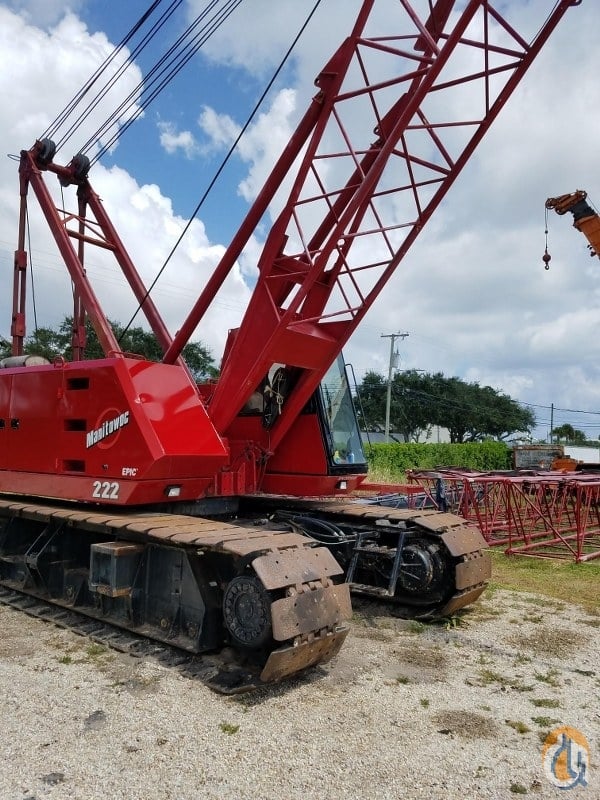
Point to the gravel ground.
(404, 711)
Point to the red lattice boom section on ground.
(548, 515)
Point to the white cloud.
(43, 13)
(220, 129)
(40, 74)
(173, 140)
(265, 140)
(258, 34)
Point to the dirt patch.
(466, 724)
(548, 640)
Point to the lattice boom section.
(546, 514)
(406, 117)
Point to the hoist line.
(69, 108)
(175, 65)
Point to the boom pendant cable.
(168, 65)
(92, 105)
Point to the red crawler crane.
(231, 557)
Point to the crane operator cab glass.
(342, 432)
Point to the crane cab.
(322, 452)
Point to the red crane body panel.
(106, 430)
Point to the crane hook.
(546, 259)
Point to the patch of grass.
(466, 724)
(559, 580)
(140, 683)
(489, 676)
(452, 622)
(416, 627)
(228, 728)
(424, 702)
(537, 601)
(518, 788)
(482, 611)
(94, 650)
(548, 640)
(371, 632)
(519, 727)
(491, 590)
(79, 655)
(521, 687)
(550, 677)
(522, 659)
(422, 656)
(402, 679)
(545, 702)
(545, 722)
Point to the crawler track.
(195, 584)
(214, 669)
(429, 564)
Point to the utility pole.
(392, 337)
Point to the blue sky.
(472, 293)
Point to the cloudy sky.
(472, 293)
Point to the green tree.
(567, 433)
(412, 410)
(44, 342)
(371, 396)
(420, 400)
(50, 343)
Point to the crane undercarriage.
(425, 563)
(267, 586)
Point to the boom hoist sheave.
(181, 509)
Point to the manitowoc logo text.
(108, 426)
